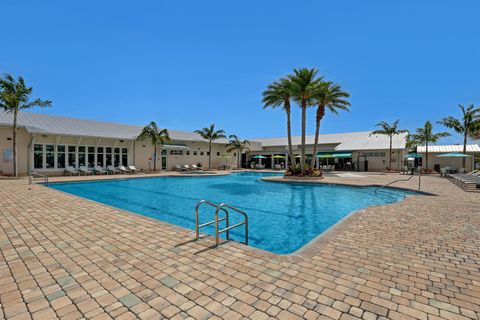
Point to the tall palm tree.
(468, 125)
(303, 88)
(157, 136)
(329, 96)
(278, 94)
(14, 97)
(389, 130)
(424, 136)
(210, 134)
(236, 144)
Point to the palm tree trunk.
(209, 154)
(426, 156)
(304, 123)
(464, 160)
(15, 173)
(155, 157)
(289, 134)
(320, 113)
(390, 156)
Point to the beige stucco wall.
(6, 168)
(144, 150)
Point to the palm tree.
(210, 134)
(236, 144)
(14, 97)
(303, 88)
(389, 130)
(468, 125)
(276, 95)
(156, 136)
(328, 96)
(424, 136)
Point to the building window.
(81, 156)
(187, 152)
(208, 153)
(201, 153)
(50, 156)
(91, 156)
(194, 153)
(164, 152)
(72, 156)
(218, 154)
(234, 154)
(60, 157)
(108, 156)
(116, 157)
(100, 156)
(124, 156)
(38, 156)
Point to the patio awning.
(175, 147)
(334, 154)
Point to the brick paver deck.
(70, 258)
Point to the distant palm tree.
(468, 125)
(236, 144)
(157, 136)
(210, 134)
(276, 95)
(14, 97)
(389, 130)
(329, 96)
(424, 136)
(303, 88)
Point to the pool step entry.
(225, 209)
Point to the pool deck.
(66, 257)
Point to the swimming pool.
(282, 217)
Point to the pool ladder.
(222, 207)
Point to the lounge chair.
(112, 170)
(71, 171)
(177, 168)
(123, 169)
(185, 167)
(195, 167)
(99, 170)
(85, 170)
(133, 169)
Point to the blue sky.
(186, 64)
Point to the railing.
(33, 174)
(402, 180)
(222, 207)
(244, 222)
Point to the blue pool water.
(283, 217)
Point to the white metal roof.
(64, 126)
(449, 148)
(346, 141)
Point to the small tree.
(278, 94)
(156, 136)
(389, 130)
(210, 134)
(304, 82)
(468, 125)
(237, 144)
(425, 136)
(14, 97)
(328, 96)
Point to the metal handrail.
(45, 178)
(400, 180)
(244, 222)
(198, 226)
